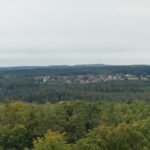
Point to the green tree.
(51, 141)
(13, 138)
(122, 137)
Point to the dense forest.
(93, 107)
(30, 84)
(75, 125)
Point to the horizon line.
(73, 65)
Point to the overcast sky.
(48, 32)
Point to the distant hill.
(54, 83)
(90, 65)
(76, 69)
(51, 66)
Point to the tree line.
(30, 90)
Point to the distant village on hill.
(91, 78)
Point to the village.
(90, 78)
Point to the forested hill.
(81, 82)
(76, 70)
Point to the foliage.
(22, 83)
(75, 125)
(50, 141)
(122, 137)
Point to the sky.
(68, 32)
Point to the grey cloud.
(73, 32)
